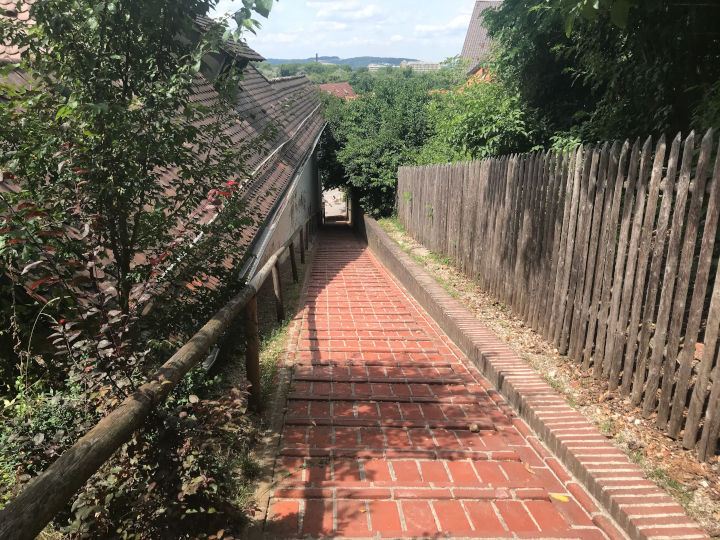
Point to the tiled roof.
(477, 43)
(234, 47)
(341, 90)
(11, 53)
(286, 107)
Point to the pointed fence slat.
(609, 170)
(609, 252)
(687, 354)
(668, 289)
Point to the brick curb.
(640, 508)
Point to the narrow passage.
(391, 432)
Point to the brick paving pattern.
(390, 432)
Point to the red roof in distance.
(341, 90)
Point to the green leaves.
(263, 7)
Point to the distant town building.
(341, 90)
(477, 43)
(421, 66)
(378, 67)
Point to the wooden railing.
(47, 494)
(608, 251)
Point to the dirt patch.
(694, 484)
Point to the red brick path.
(378, 441)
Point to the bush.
(477, 119)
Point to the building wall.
(302, 201)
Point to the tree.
(375, 134)
(111, 158)
(122, 167)
(474, 120)
(654, 73)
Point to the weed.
(607, 427)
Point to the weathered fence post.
(277, 286)
(252, 353)
(302, 246)
(293, 263)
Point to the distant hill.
(359, 61)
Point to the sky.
(422, 29)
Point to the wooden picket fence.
(608, 251)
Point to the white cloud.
(279, 38)
(396, 38)
(351, 10)
(457, 25)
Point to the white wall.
(301, 202)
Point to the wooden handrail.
(28, 513)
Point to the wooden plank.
(454, 211)
(577, 260)
(608, 187)
(493, 211)
(592, 267)
(641, 276)
(505, 228)
(467, 208)
(252, 353)
(586, 263)
(695, 312)
(558, 203)
(562, 213)
(708, 364)
(426, 187)
(610, 256)
(620, 258)
(683, 279)
(293, 263)
(621, 324)
(398, 190)
(515, 245)
(711, 429)
(668, 283)
(277, 289)
(480, 218)
(302, 246)
(658, 254)
(520, 286)
(543, 234)
(539, 244)
(507, 173)
(568, 246)
(486, 236)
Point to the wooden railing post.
(302, 245)
(293, 262)
(277, 286)
(252, 354)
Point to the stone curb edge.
(640, 508)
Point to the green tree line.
(561, 72)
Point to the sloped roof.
(11, 53)
(341, 90)
(477, 43)
(288, 106)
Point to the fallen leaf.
(561, 498)
(529, 468)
